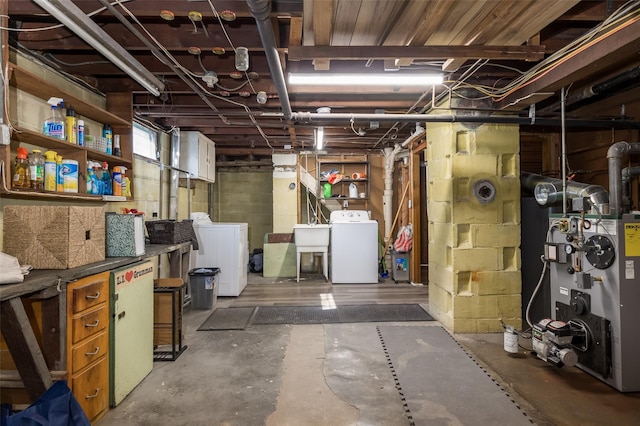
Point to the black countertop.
(43, 279)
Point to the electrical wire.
(192, 75)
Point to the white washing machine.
(225, 246)
(354, 247)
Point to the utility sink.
(312, 239)
(309, 236)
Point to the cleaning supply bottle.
(89, 178)
(98, 186)
(107, 135)
(81, 132)
(71, 126)
(116, 146)
(126, 183)
(54, 125)
(353, 190)
(21, 175)
(106, 179)
(117, 180)
(36, 169)
(59, 176)
(50, 171)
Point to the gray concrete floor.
(337, 374)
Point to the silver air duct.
(548, 191)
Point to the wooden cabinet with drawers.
(88, 343)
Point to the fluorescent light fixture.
(77, 21)
(319, 138)
(394, 79)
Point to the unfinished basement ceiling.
(496, 56)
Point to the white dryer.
(225, 246)
(354, 247)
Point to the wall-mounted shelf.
(347, 166)
(118, 113)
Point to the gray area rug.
(441, 383)
(228, 319)
(339, 314)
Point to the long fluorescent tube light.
(365, 79)
(319, 138)
(77, 21)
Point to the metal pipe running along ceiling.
(308, 117)
(260, 10)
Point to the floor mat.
(339, 314)
(441, 384)
(228, 319)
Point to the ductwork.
(627, 174)
(615, 154)
(261, 11)
(548, 191)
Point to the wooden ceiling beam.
(322, 28)
(530, 53)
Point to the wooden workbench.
(35, 366)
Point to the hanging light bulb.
(242, 58)
(261, 97)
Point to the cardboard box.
(54, 237)
(162, 310)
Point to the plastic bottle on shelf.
(50, 171)
(71, 126)
(98, 186)
(21, 174)
(117, 180)
(36, 169)
(59, 177)
(54, 125)
(126, 183)
(107, 135)
(89, 177)
(106, 179)
(116, 146)
(81, 132)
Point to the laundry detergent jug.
(353, 190)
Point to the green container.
(327, 190)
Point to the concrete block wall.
(474, 239)
(245, 197)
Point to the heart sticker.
(128, 275)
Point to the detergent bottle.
(117, 180)
(54, 125)
(50, 171)
(353, 190)
(59, 176)
(107, 183)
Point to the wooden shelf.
(37, 86)
(346, 165)
(118, 113)
(38, 139)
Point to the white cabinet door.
(198, 155)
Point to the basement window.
(145, 142)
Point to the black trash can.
(204, 287)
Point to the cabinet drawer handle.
(94, 352)
(95, 324)
(92, 396)
(93, 297)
